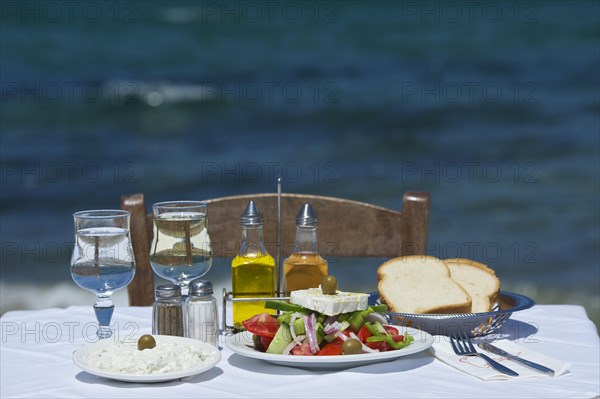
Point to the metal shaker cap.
(251, 216)
(168, 291)
(306, 217)
(200, 287)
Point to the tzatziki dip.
(166, 357)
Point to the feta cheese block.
(330, 305)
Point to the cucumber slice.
(358, 319)
(282, 338)
(299, 327)
(285, 317)
(344, 325)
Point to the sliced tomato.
(398, 338)
(302, 350)
(391, 330)
(363, 333)
(338, 340)
(381, 346)
(266, 341)
(331, 349)
(377, 346)
(262, 324)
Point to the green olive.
(146, 342)
(351, 347)
(329, 285)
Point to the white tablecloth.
(37, 347)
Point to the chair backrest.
(346, 229)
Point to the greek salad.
(304, 332)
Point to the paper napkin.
(478, 367)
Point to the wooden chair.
(346, 229)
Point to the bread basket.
(473, 324)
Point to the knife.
(493, 349)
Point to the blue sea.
(492, 107)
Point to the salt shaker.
(168, 315)
(202, 320)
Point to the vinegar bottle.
(253, 270)
(304, 268)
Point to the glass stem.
(104, 309)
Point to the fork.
(462, 346)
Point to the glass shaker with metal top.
(168, 313)
(202, 319)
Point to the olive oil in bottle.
(304, 268)
(253, 270)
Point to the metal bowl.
(473, 324)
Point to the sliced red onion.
(292, 329)
(332, 328)
(330, 320)
(309, 323)
(365, 348)
(292, 345)
(342, 336)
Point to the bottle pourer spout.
(306, 217)
(251, 216)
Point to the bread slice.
(478, 280)
(420, 284)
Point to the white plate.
(241, 344)
(80, 359)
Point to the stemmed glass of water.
(102, 260)
(180, 250)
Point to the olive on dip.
(146, 342)
(329, 285)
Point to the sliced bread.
(478, 280)
(420, 284)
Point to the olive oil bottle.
(253, 270)
(304, 268)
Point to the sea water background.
(492, 107)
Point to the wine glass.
(180, 250)
(102, 260)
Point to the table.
(36, 350)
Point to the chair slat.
(141, 289)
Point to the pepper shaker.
(202, 317)
(168, 312)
